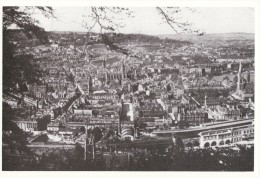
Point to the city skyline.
(128, 102)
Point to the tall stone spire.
(104, 61)
(123, 69)
(238, 76)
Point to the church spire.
(205, 102)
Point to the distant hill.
(145, 39)
(120, 38)
(209, 37)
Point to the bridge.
(207, 127)
(51, 146)
(151, 144)
(37, 136)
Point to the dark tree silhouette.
(97, 134)
(19, 69)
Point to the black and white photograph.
(128, 88)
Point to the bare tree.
(22, 18)
(168, 15)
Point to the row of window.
(243, 132)
(237, 139)
(210, 137)
(29, 125)
(224, 136)
(228, 135)
(104, 97)
(53, 128)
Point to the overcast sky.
(147, 20)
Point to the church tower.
(248, 77)
(90, 85)
(135, 75)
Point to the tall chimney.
(119, 123)
(86, 143)
(94, 147)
